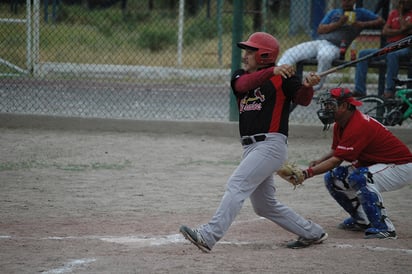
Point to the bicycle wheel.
(373, 106)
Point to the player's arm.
(326, 165)
(370, 24)
(406, 27)
(322, 159)
(301, 92)
(326, 28)
(304, 94)
(329, 24)
(248, 81)
(389, 31)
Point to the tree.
(257, 16)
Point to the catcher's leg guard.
(338, 187)
(369, 198)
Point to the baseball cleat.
(302, 242)
(194, 236)
(381, 235)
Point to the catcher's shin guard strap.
(369, 198)
(373, 208)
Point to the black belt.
(252, 139)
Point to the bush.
(202, 29)
(156, 39)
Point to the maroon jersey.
(364, 142)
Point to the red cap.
(344, 95)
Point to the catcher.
(264, 93)
(379, 162)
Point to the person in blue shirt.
(334, 28)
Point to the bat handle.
(326, 72)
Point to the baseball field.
(80, 201)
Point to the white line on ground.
(375, 248)
(69, 266)
(139, 241)
(145, 240)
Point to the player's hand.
(343, 20)
(358, 25)
(311, 80)
(285, 70)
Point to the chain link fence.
(142, 59)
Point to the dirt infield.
(112, 202)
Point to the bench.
(380, 65)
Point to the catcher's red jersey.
(364, 142)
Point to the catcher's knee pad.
(335, 182)
(340, 173)
(368, 197)
(359, 177)
(336, 178)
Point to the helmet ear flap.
(265, 57)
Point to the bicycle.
(393, 111)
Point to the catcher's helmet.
(330, 100)
(266, 46)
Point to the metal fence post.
(237, 31)
(220, 30)
(180, 33)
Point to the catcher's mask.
(330, 101)
(265, 45)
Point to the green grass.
(110, 37)
(135, 38)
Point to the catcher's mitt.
(292, 173)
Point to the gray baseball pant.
(254, 178)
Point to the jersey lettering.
(345, 148)
(252, 103)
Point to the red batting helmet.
(266, 46)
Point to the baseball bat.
(403, 43)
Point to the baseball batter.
(379, 162)
(264, 93)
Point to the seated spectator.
(398, 26)
(334, 28)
